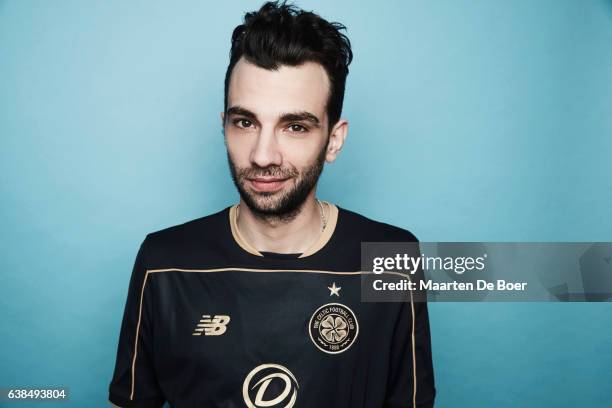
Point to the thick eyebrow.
(285, 117)
(301, 116)
(239, 110)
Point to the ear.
(336, 140)
(223, 123)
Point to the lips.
(267, 184)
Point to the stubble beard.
(282, 205)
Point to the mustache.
(272, 171)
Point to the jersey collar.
(320, 243)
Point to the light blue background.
(469, 121)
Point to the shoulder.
(197, 232)
(367, 229)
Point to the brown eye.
(243, 123)
(297, 128)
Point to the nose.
(266, 151)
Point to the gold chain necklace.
(323, 218)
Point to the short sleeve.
(134, 382)
(411, 375)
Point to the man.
(259, 304)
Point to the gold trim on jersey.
(332, 219)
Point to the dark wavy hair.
(281, 34)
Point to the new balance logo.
(212, 327)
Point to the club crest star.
(334, 290)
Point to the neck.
(294, 235)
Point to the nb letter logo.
(215, 326)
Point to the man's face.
(276, 134)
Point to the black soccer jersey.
(210, 322)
